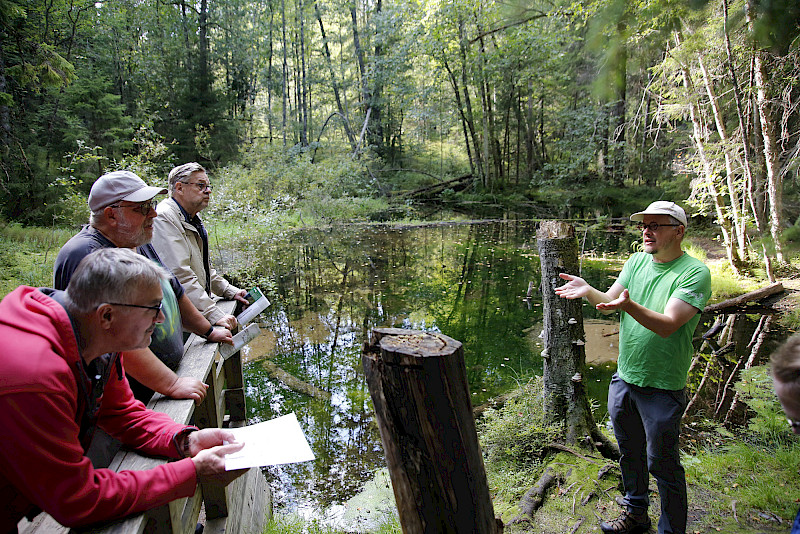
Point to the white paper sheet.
(279, 441)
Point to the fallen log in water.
(294, 383)
(741, 300)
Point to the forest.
(307, 112)
(579, 108)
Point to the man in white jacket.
(181, 241)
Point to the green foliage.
(27, 255)
(790, 238)
(297, 525)
(273, 188)
(152, 159)
(756, 477)
(769, 423)
(516, 434)
(725, 283)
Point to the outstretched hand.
(207, 438)
(240, 296)
(227, 321)
(615, 304)
(575, 288)
(207, 449)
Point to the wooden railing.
(240, 508)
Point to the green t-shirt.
(645, 358)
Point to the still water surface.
(330, 287)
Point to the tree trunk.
(462, 115)
(774, 179)
(565, 398)
(738, 227)
(748, 160)
(418, 384)
(708, 173)
(334, 83)
(303, 104)
(285, 80)
(617, 155)
(479, 161)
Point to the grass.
(756, 481)
(737, 483)
(27, 255)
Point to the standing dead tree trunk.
(565, 398)
(418, 384)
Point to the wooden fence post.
(418, 384)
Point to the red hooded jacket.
(42, 463)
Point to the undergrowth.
(27, 255)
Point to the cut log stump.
(418, 384)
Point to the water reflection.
(468, 281)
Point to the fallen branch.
(576, 526)
(534, 497)
(461, 181)
(752, 296)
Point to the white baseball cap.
(662, 207)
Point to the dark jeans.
(647, 424)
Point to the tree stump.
(418, 384)
(564, 338)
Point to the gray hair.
(110, 275)
(181, 173)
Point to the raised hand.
(575, 288)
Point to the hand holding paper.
(279, 441)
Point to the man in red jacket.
(62, 377)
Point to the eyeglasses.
(653, 226)
(156, 309)
(202, 186)
(141, 207)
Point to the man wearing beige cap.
(659, 295)
(122, 211)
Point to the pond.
(330, 287)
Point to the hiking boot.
(627, 523)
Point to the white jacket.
(180, 247)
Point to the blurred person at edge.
(181, 241)
(62, 377)
(785, 370)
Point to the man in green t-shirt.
(659, 295)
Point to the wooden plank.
(251, 498)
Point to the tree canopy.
(565, 103)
